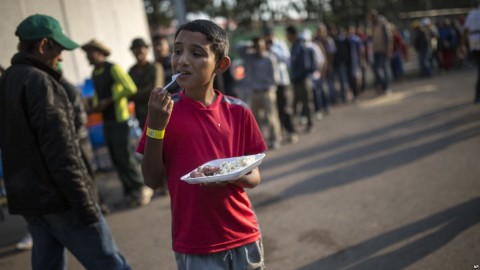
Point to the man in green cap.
(45, 177)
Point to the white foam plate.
(224, 177)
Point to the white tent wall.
(114, 22)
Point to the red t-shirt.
(208, 219)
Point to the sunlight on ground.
(396, 97)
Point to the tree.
(249, 12)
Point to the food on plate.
(231, 166)
(202, 171)
(210, 170)
(224, 168)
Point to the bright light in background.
(280, 9)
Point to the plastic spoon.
(171, 85)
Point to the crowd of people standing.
(288, 86)
(311, 73)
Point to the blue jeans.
(332, 91)
(342, 74)
(424, 62)
(92, 245)
(321, 100)
(380, 69)
(396, 65)
(249, 256)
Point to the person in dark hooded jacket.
(45, 177)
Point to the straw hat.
(95, 44)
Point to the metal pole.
(180, 12)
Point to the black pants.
(284, 107)
(303, 95)
(117, 136)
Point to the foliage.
(247, 13)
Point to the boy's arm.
(152, 163)
(249, 180)
(160, 106)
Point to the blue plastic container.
(87, 88)
(96, 135)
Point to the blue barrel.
(87, 88)
(96, 135)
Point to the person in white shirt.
(284, 90)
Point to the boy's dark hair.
(213, 32)
(291, 30)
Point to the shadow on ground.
(447, 133)
(436, 231)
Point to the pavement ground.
(386, 182)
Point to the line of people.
(286, 86)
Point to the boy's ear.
(223, 65)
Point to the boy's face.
(194, 59)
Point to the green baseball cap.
(40, 26)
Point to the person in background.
(146, 76)
(302, 66)
(354, 61)
(319, 97)
(360, 31)
(213, 224)
(326, 42)
(421, 43)
(46, 179)
(400, 53)
(447, 44)
(382, 50)
(342, 60)
(284, 90)
(472, 31)
(433, 34)
(261, 74)
(163, 53)
(113, 87)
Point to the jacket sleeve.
(123, 85)
(52, 124)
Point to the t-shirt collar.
(214, 104)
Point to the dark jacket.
(44, 171)
(302, 61)
(80, 115)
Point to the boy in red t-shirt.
(212, 224)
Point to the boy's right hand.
(160, 106)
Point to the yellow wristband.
(155, 134)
